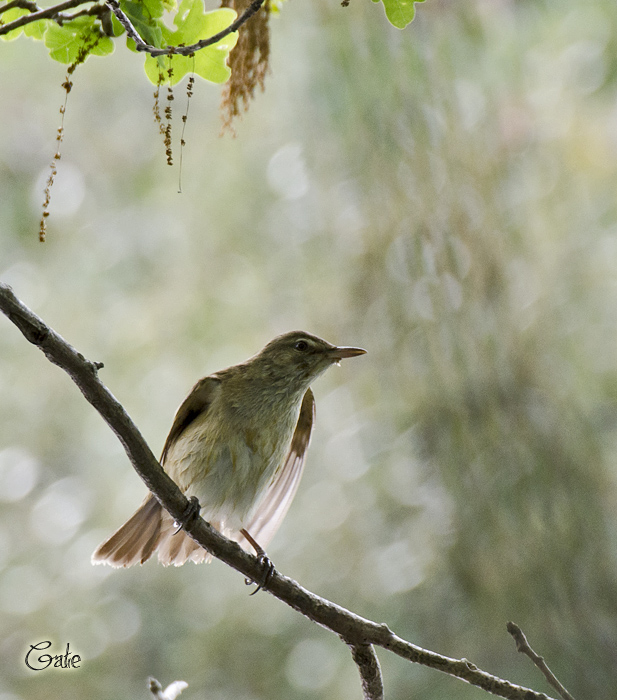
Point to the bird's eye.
(301, 346)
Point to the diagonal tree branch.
(47, 13)
(357, 632)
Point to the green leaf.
(400, 12)
(153, 8)
(66, 42)
(36, 30)
(148, 26)
(10, 16)
(193, 23)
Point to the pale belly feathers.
(228, 477)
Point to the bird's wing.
(195, 404)
(282, 490)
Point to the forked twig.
(524, 647)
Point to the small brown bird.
(238, 444)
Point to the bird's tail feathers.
(149, 529)
(177, 547)
(136, 540)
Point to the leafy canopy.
(192, 24)
(74, 39)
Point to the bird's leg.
(266, 563)
(190, 513)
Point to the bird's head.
(299, 357)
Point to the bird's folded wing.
(195, 404)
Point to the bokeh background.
(444, 196)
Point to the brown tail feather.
(177, 547)
(136, 540)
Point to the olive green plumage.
(238, 444)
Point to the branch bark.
(24, 4)
(141, 45)
(524, 647)
(54, 13)
(370, 672)
(47, 13)
(359, 633)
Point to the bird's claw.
(191, 511)
(267, 573)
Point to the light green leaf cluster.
(400, 12)
(192, 24)
(35, 30)
(67, 43)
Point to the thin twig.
(95, 10)
(156, 689)
(170, 693)
(370, 672)
(23, 4)
(356, 631)
(524, 647)
(47, 13)
(141, 45)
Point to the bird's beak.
(341, 353)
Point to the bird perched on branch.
(238, 444)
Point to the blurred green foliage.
(443, 196)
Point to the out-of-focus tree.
(488, 223)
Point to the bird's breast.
(228, 464)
